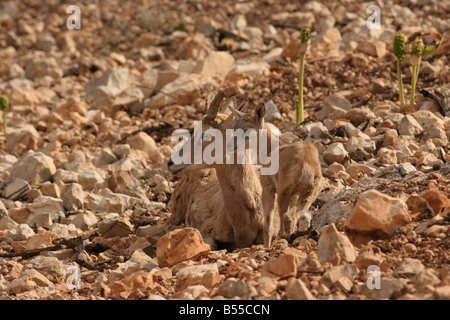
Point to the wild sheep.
(297, 183)
(224, 200)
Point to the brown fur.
(224, 201)
(297, 183)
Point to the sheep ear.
(260, 112)
(213, 107)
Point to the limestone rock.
(335, 153)
(233, 287)
(34, 167)
(247, 68)
(36, 276)
(377, 214)
(216, 64)
(180, 245)
(335, 107)
(341, 276)
(18, 188)
(184, 90)
(372, 48)
(439, 201)
(41, 240)
(409, 267)
(334, 246)
(281, 267)
(131, 285)
(88, 180)
(142, 141)
(390, 288)
(72, 196)
(25, 134)
(115, 227)
(272, 112)
(409, 126)
(50, 267)
(297, 290)
(103, 89)
(406, 168)
(206, 275)
(139, 260)
(83, 220)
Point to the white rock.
(427, 119)
(409, 267)
(139, 260)
(117, 202)
(335, 153)
(83, 220)
(16, 189)
(6, 223)
(107, 86)
(327, 41)
(341, 276)
(437, 135)
(43, 220)
(142, 141)
(274, 56)
(334, 246)
(406, 168)
(205, 274)
(22, 133)
(24, 231)
(238, 22)
(90, 179)
(297, 290)
(233, 287)
(334, 107)
(65, 176)
(216, 64)
(272, 112)
(183, 90)
(65, 230)
(104, 157)
(50, 267)
(247, 68)
(34, 167)
(409, 126)
(47, 205)
(72, 196)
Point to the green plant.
(418, 52)
(399, 51)
(4, 105)
(182, 26)
(416, 59)
(304, 46)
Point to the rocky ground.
(84, 180)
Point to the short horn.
(243, 106)
(228, 104)
(214, 106)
